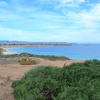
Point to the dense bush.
(78, 81)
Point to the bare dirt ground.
(10, 70)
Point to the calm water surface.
(76, 52)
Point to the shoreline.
(7, 52)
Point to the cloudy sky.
(50, 20)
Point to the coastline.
(6, 52)
(31, 45)
(72, 52)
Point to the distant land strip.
(30, 45)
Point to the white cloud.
(85, 18)
(81, 0)
(61, 3)
(66, 1)
(3, 3)
(9, 17)
(21, 35)
(17, 1)
(33, 24)
(11, 33)
(72, 1)
(92, 18)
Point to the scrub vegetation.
(78, 81)
(49, 57)
(28, 61)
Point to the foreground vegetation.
(78, 81)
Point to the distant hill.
(26, 42)
(14, 42)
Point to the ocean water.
(75, 52)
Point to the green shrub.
(78, 81)
(27, 61)
(10, 56)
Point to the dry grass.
(28, 61)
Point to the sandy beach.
(6, 52)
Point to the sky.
(75, 21)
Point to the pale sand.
(8, 53)
(13, 71)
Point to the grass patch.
(78, 81)
(27, 61)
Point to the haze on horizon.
(75, 21)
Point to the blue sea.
(75, 52)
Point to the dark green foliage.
(78, 81)
(1, 51)
(10, 56)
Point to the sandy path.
(13, 71)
